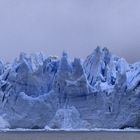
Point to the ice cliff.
(38, 92)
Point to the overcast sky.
(76, 26)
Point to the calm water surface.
(62, 135)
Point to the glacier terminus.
(102, 91)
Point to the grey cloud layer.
(76, 26)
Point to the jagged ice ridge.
(39, 92)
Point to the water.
(62, 135)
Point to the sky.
(75, 26)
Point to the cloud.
(76, 26)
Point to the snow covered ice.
(39, 92)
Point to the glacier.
(39, 91)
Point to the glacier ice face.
(37, 91)
(31, 76)
(3, 123)
(68, 118)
